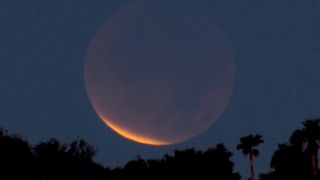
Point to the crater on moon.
(159, 72)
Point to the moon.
(159, 72)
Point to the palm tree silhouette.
(311, 134)
(248, 145)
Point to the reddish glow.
(159, 79)
(133, 136)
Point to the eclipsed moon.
(159, 72)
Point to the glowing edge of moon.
(133, 136)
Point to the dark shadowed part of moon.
(159, 72)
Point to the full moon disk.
(159, 72)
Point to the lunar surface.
(159, 72)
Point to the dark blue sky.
(42, 94)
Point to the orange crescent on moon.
(159, 79)
(133, 136)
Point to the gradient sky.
(42, 94)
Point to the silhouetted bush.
(213, 163)
(295, 160)
(15, 156)
(53, 160)
(47, 160)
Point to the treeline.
(47, 160)
(296, 159)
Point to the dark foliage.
(296, 160)
(15, 156)
(289, 162)
(213, 163)
(47, 160)
(249, 146)
(53, 160)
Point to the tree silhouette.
(55, 160)
(80, 149)
(15, 156)
(47, 160)
(289, 162)
(248, 145)
(213, 163)
(298, 159)
(311, 133)
(61, 161)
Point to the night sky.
(43, 44)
